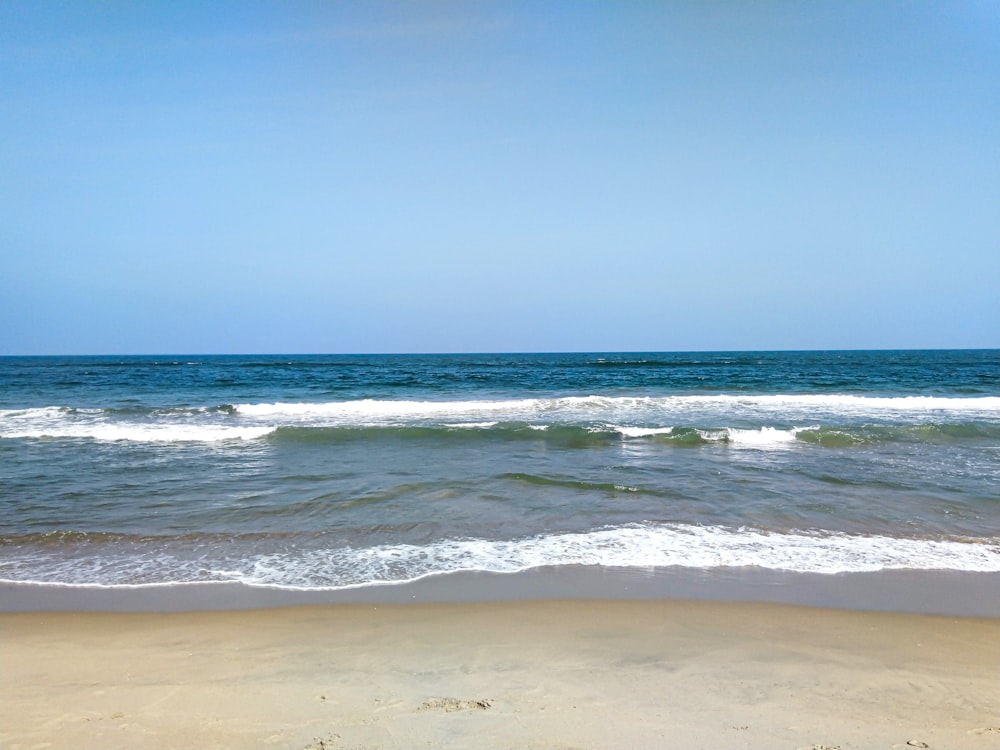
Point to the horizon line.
(503, 353)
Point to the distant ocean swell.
(302, 562)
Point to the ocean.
(325, 473)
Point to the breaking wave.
(152, 561)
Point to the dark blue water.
(178, 381)
(332, 471)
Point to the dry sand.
(535, 674)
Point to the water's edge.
(952, 593)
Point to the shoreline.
(953, 593)
(505, 674)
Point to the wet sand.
(931, 592)
(512, 674)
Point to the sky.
(327, 177)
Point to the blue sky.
(498, 176)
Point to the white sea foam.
(643, 545)
(379, 409)
(765, 437)
(631, 546)
(148, 433)
(640, 432)
(596, 407)
(195, 425)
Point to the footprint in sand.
(985, 730)
(454, 704)
(323, 743)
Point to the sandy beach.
(529, 674)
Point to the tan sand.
(542, 674)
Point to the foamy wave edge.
(164, 433)
(375, 408)
(645, 546)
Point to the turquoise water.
(325, 472)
